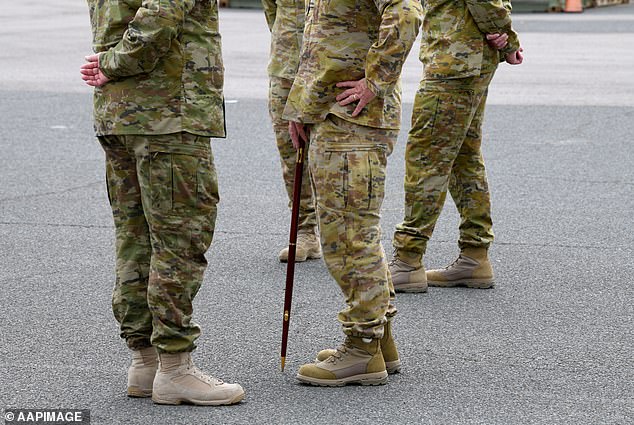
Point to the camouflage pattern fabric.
(453, 41)
(278, 93)
(444, 151)
(163, 191)
(286, 22)
(164, 60)
(349, 40)
(347, 163)
(285, 19)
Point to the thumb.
(92, 58)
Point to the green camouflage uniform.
(285, 19)
(154, 120)
(443, 149)
(350, 40)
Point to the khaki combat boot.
(308, 246)
(141, 372)
(408, 273)
(179, 381)
(471, 269)
(357, 361)
(388, 350)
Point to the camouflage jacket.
(453, 42)
(285, 19)
(164, 59)
(349, 40)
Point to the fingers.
(89, 71)
(293, 132)
(360, 106)
(89, 68)
(297, 132)
(497, 41)
(92, 58)
(353, 97)
(520, 57)
(345, 94)
(363, 101)
(501, 41)
(301, 132)
(348, 84)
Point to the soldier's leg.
(470, 191)
(133, 251)
(179, 188)
(307, 244)
(348, 166)
(468, 184)
(348, 169)
(441, 116)
(180, 193)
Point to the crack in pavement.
(564, 179)
(242, 234)
(58, 192)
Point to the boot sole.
(417, 287)
(136, 392)
(465, 283)
(178, 401)
(393, 367)
(377, 378)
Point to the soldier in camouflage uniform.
(353, 126)
(158, 78)
(285, 19)
(463, 42)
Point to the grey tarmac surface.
(551, 344)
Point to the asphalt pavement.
(551, 344)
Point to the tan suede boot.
(471, 269)
(357, 361)
(179, 381)
(308, 246)
(388, 350)
(141, 372)
(408, 272)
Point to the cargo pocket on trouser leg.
(183, 186)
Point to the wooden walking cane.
(292, 245)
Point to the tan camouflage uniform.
(443, 149)
(154, 120)
(350, 40)
(285, 19)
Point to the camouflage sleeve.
(270, 11)
(400, 23)
(494, 16)
(147, 38)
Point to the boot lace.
(339, 353)
(454, 263)
(193, 370)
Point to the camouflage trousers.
(347, 164)
(443, 152)
(278, 93)
(163, 191)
